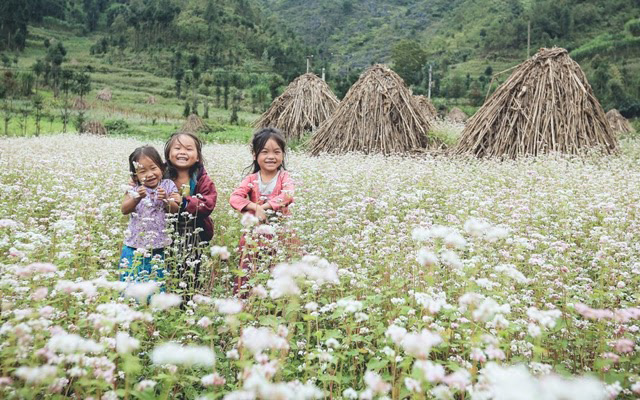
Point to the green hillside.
(467, 41)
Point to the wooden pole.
(429, 90)
(323, 73)
(309, 63)
(528, 39)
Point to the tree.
(259, 96)
(37, 104)
(81, 84)
(179, 75)
(38, 70)
(408, 59)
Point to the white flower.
(256, 340)
(259, 291)
(455, 240)
(265, 229)
(125, 344)
(233, 354)
(426, 258)
(71, 343)
(512, 272)
(172, 353)
(496, 233)
(249, 220)
(141, 291)
(332, 343)
(283, 286)
(145, 385)
(228, 306)
(451, 259)
(419, 344)
(412, 385)
(396, 333)
(36, 374)
(350, 306)
(432, 372)
(476, 227)
(350, 393)
(165, 301)
(220, 251)
(374, 382)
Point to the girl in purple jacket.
(197, 198)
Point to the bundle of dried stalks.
(378, 115)
(617, 122)
(94, 127)
(546, 105)
(195, 124)
(457, 115)
(80, 104)
(151, 100)
(427, 105)
(104, 94)
(304, 105)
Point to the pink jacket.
(248, 192)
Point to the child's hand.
(142, 192)
(260, 214)
(161, 194)
(175, 196)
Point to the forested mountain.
(260, 45)
(464, 40)
(221, 33)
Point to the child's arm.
(203, 202)
(169, 194)
(285, 197)
(240, 196)
(129, 203)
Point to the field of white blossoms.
(425, 277)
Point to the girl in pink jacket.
(266, 193)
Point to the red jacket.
(201, 203)
(248, 192)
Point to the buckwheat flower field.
(426, 277)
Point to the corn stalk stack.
(617, 122)
(304, 105)
(546, 105)
(377, 115)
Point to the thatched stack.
(427, 105)
(377, 115)
(617, 122)
(80, 104)
(94, 127)
(195, 124)
(151, 100)
(546, 105)
(104, 94)
(457, 115)
(304, 105)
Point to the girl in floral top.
(147, 203)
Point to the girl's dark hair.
(144, 151)
(172, 172)
(260, 139)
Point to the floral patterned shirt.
(148, 222)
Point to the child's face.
(148, 173)
(183, 153)
(270, 157)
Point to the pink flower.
(624, 346)
(39, 294)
